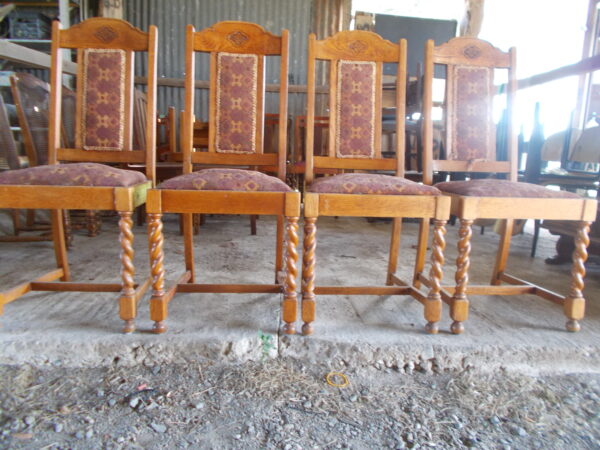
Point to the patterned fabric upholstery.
(501, 188)
(236, 103)
(369, 183)
(355, 136)
(79, 174)
(103, 122)
(226, 180)
(473, 133)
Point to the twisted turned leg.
(459, 305)
(290, 304)
(574, 305)
(127, 303)
(92, 222)
(308, 274)
(68, 228)
(158, 305)
(433, 304)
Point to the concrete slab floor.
(521, 333)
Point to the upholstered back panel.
(236, 103)
(473, 132)
(355, 133)
(103, 99)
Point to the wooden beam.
(30, 57)
(583, 66)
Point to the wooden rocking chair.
(105, 54)
(356, 61)
(237, 84)
(471, 149)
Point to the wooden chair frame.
(367, 46)
(245, 38)
(474, 52)
(104, 34)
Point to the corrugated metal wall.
(171, 18)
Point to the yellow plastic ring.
(329, 379)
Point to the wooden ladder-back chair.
(105, 54)
(10, 160)
(356, 61)
(32, 99)
(237, 85)
(471, 148)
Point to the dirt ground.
(285, 404)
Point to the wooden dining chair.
(235, 138)
(106, 49)
(356, 61)
(471, 65)
(31, 96)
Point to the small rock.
(112, 402)
(288, 427)
(287, 447)
(120, 439)
(80, 434)
(199, 405)
(353, 397)
(155, 370)
(29, 420)
(88, 419)
(100, 393)
(307, 404)
(134, 402)
(237, 437)
(89, 434)
(470, 442)
(58, 427)
(518, 431)
(494, 420)
(158, 427)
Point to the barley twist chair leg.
(574, 305)
(308, 275)
(68, 228)
(459, 304)
(433, 304)
(127, 303)
(92, 222)
(290, 304)
(158, 304)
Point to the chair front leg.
(574, 305)
(290, 304)
(459, 304)
(433, 304)
(127, 302)
(308, 274)
(158, 304)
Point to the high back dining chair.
(105, 55)
(11, 160)
(235, 138)
(32, 99)
(356, 61)
(471, 148)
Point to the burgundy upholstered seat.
(501, 188)
(369, 183)
(78, 174)
(218, 179)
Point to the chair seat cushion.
(501, 188)
(78, 174)
(218, 179)
(370, 183)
